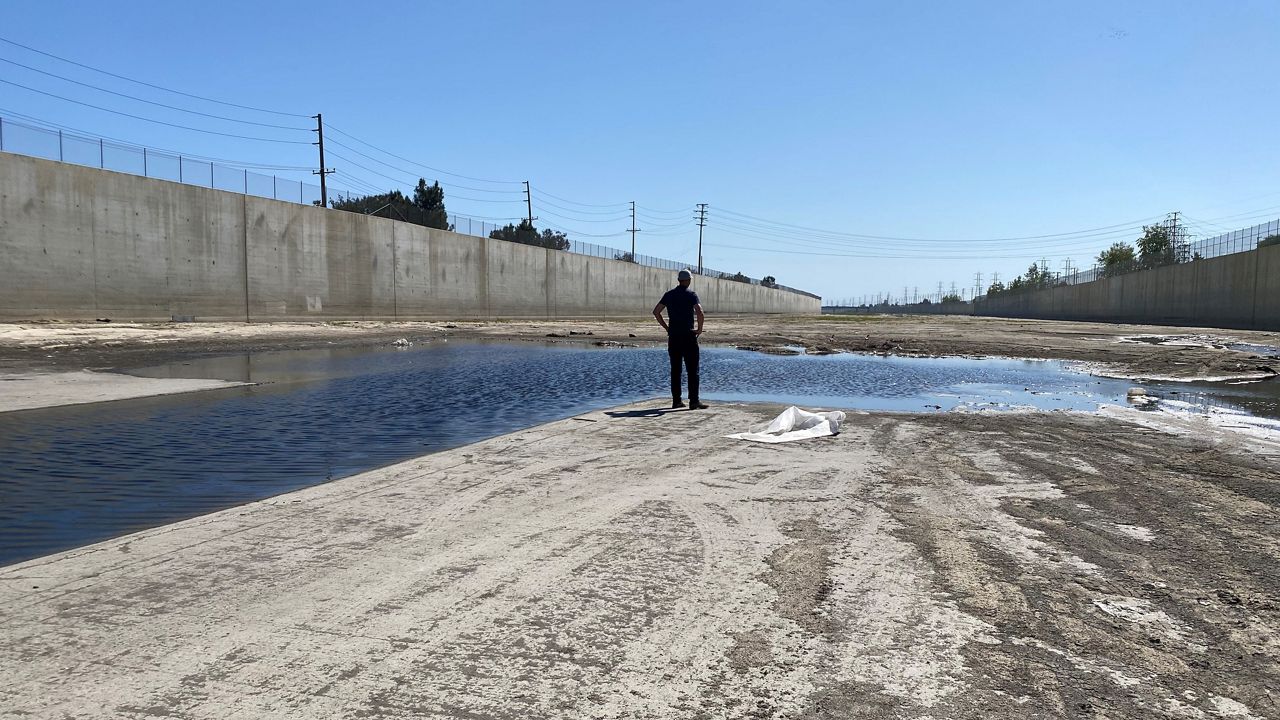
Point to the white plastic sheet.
(794, 424)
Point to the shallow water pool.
(78, 474)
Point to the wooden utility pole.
(702, 222)
(634, 230)
(528, 202)
(323, 171)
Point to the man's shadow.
(642, 413)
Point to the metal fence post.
(102, 155)
(1, 133)
(211, 174)
(144, 163)
(274, 182)
(179, 168)
(246, 181)
(59, 146)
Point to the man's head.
(685, 277)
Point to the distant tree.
(950, 299)
(769, 281)
(1117, 260)
(1017, 284)
(624, 257)
(526, 234)
(553, 239)
(389, 204)
(1269, 241)
(1031, 278)
(995, 288)
(926, 301)
(425, 208)
(739, 277)
(429, 200)
(1155, 247)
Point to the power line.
(682, 211)
(152, 102)
(157, 87)
(158, 122)
(543, 209)
(615, 213)
(575, 202)
(860, 236)
(418, 164)
(369, 188)
(411, 173)
(842, 242)
(571, 231)
(682, 223)
(401, 181)
(981, 256)
(847, 244)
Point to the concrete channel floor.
(634, 563)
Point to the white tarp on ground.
(794, 424)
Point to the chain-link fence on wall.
(1236, 241)
(50, 144)
(63, 146)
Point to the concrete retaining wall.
(80, 243)
(1241, 290)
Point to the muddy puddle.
(78, 474)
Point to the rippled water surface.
(78, 474)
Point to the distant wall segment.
(82, 243)
(1240, 290)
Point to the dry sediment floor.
(634, 563)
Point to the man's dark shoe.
(697, 405)
(676, 404)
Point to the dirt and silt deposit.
(1205, 353)
(1119, 564)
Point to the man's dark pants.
(682, 347)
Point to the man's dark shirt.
(680, 302)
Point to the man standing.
(682, 307)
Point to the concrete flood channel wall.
(1241, 290)
(83, 243)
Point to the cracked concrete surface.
(631, 564)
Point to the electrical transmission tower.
(1178, 243)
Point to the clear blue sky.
(960, 123)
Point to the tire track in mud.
(1129, 647)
